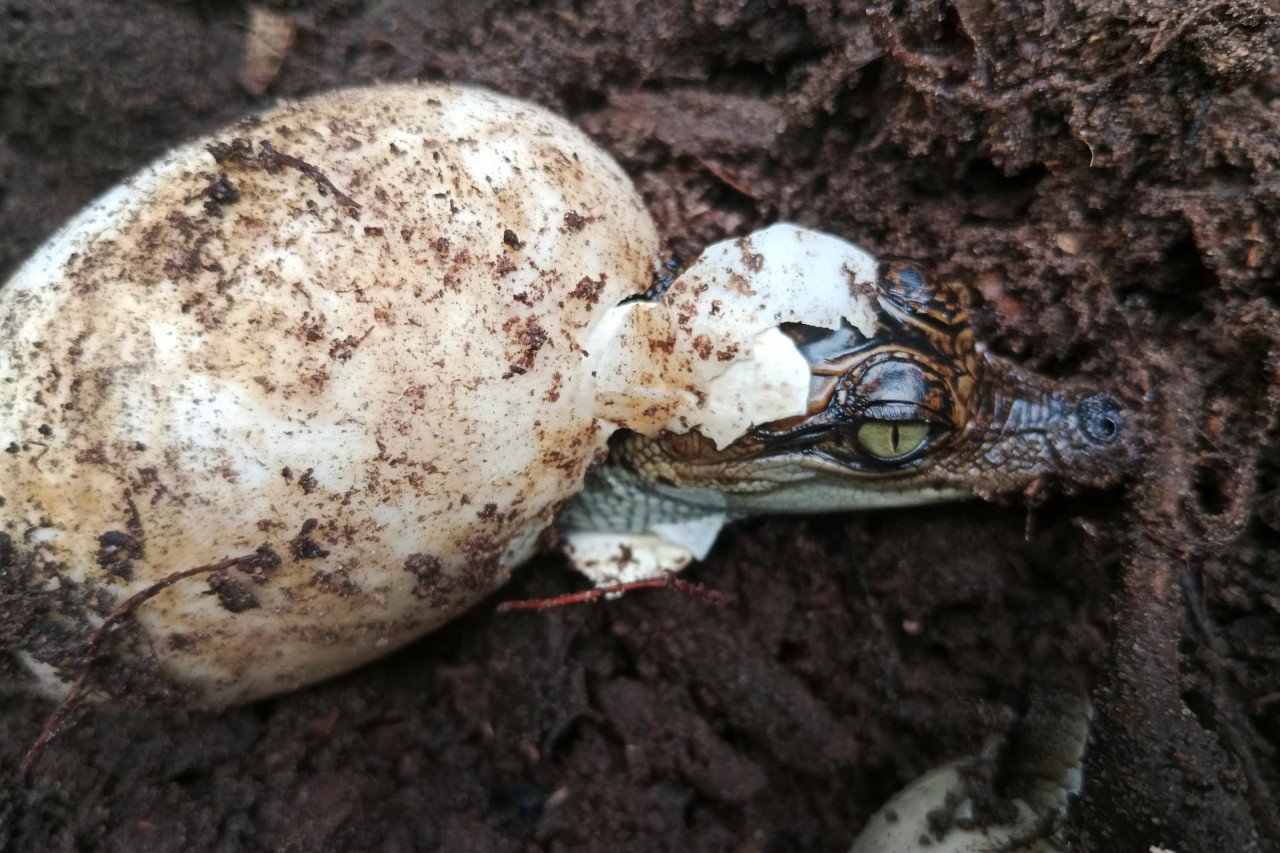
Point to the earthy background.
(1105, 175)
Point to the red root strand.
(667, 581)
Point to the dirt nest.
(1104, 175)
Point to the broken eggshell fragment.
(719, 362)
(1014, 798)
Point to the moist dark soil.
(1103, 173)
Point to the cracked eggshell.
(358, 341)
(715, 360)
(1038, 775)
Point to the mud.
(1104, 175)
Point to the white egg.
(351, 330)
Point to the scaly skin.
(984, 427)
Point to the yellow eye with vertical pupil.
(892, 439)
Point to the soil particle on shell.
(232, 595)
(303, 546)
(434, 584)
(588, 290)
(1108, 188)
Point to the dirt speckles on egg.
(309, 328)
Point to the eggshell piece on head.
(710, 357)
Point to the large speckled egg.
(341, 345)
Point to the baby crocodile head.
(915, 412)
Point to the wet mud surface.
(1105, 177)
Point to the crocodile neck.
(618, 498)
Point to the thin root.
(667, 581)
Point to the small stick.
(667, 581)
(263, 557)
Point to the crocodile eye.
(891, 440)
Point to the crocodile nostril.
(1101, 418)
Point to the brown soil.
(1106, 176)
